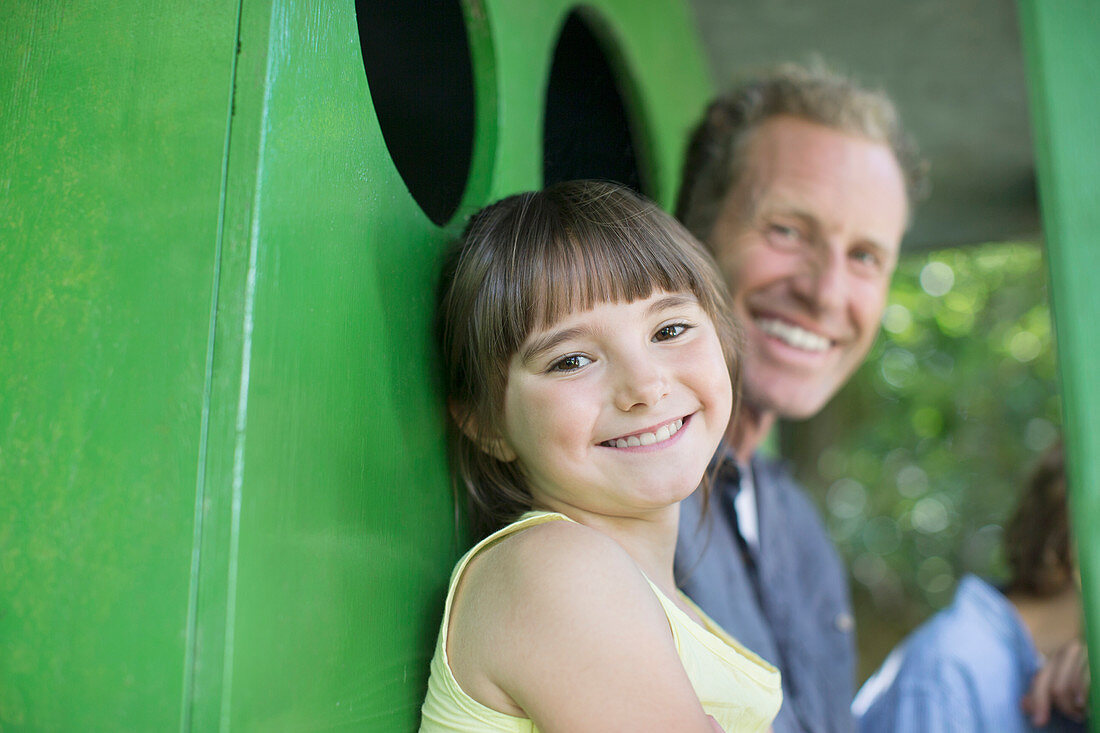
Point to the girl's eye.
(570, 363)
(671, 331)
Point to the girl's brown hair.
(522, 264)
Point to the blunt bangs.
(594, 263)
(578, 245)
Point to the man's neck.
(748, 430)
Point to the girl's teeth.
(663, 433)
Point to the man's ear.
(494, 445)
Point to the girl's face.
(617, 410)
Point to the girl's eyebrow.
(671, 301)
(548, 341)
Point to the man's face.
(808, 241)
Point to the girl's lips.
(648, 437)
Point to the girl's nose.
(640, 384)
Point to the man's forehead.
(840, 181)
(793, 150)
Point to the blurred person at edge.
(801, 182)
(968, 667)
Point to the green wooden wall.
(224, 500)
(1062, 45)
(113, 131)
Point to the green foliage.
(918, 462)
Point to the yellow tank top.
(736, 686)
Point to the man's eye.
(866, 257)
(783, 234)
(670, 331)
(570, 363)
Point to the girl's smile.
(647, 438)
(617, 410)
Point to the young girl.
(589, 358)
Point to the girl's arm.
(558, 624)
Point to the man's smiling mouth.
(792, 335)
(660, 435)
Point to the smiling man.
(801, 184)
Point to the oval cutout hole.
(586, 131)
(417, 59)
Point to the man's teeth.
(663, 433)
(792, 335)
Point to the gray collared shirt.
(786, 599)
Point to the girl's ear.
(494, 445)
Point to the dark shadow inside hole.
(417, 61)
(586, 132)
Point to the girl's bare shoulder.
(550, 563)
(557, 623)
(557, 593)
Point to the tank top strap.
(447, 708)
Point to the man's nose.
(824, 282)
